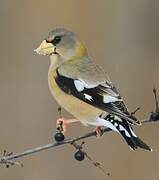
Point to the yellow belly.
(84, 112)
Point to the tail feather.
(130, 141)
(125, 129)
(141, 144)
(135, 142)
(130, 137)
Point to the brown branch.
(10, 158)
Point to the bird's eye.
(54, 41)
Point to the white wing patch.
(88, 97)
(109, 99)
(79, 85)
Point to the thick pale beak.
(45, 48)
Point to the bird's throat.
(55, 60)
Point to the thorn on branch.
(5, 159)
(156, 100)
(97, 164)
(154, 116)
(137, 109)
(59, 111)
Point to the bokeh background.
(122, 36)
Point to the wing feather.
(103, 96)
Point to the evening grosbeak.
(81, 87)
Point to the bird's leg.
(99, 131)
(62, 123)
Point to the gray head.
(60, 36)
(59, 41)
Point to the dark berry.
(154, 116)
(59, 137)
(79, 155)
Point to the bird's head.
(61, 42)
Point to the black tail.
(133, 141)
(125, 129)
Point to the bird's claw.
(99, 131)
(61, 125)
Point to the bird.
(81, 87)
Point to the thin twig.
(9, 159)
(156, 100)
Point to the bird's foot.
(62, 123)
(99, 131)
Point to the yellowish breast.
(79, 109)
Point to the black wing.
(95, 96)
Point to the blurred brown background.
(122, 36)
